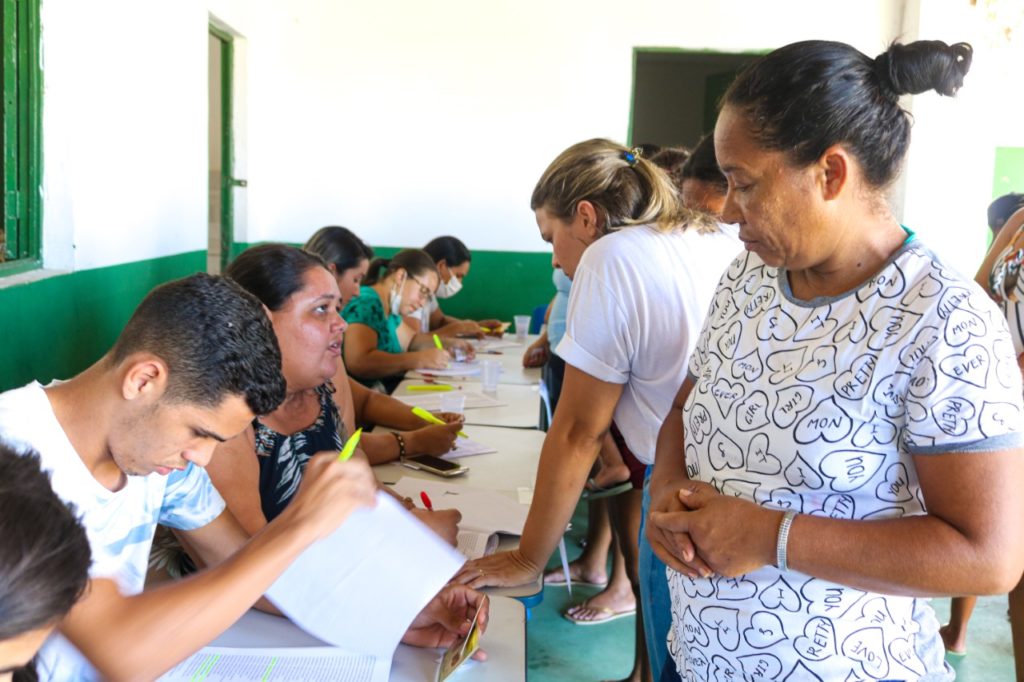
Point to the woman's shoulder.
(365, 308)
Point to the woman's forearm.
(377, 364)
(565, 461)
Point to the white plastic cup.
(490, 370)
(522, 327)
(453, 402)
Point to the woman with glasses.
(379, 345)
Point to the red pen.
(426, 501)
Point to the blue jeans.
(654, 596)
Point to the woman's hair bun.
(923, 65)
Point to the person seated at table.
(380, 346)
(44, 562)
(346, 255)
(703, 186)
(452, 259)
(258, 471)
(126, 442)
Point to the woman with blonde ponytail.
(643, 270)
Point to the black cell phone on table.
(435, 465)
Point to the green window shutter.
(21, 122)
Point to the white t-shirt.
(820, 406)
(637, 304)
(119, 525)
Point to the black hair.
(414, 261)
(703, 165)
(648, 149)
(671, 160)
(1000, 210)
(272, 272)
(448, 249)
(44, 552)
(215, 338)
(339, 246)
(805, 97)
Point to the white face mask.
(449, 288)
(395, 302)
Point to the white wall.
(124, 130)
(400, 119)
(949, 170)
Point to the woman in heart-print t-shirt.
(847, 441)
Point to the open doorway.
(223, 186)
(676, 93)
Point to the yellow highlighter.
(427, 417)
(429, 387)
(437, 342)
(350, 445)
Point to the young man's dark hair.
(215, 338)
(44, 553)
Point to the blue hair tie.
(631, 156)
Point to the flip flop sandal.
(594, 492)
(608, 615)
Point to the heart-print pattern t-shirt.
(818, 406)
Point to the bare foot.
(578, 573)
(955, 642)
(603, 606)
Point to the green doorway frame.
(228, 181)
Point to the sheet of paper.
(312, 664)
(496, 344)
(362, 569)
(466, 447)
(454, 369)
(432, 401)
(473, 543)
(482, 509)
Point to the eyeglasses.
(425, 291)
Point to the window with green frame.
(21, 160)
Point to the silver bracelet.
(783, 540)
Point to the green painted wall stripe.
(55, 328)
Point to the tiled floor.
(560, 651)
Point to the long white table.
(504, 642)
(521, 409)
(512, 467)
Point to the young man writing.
(126, 440)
